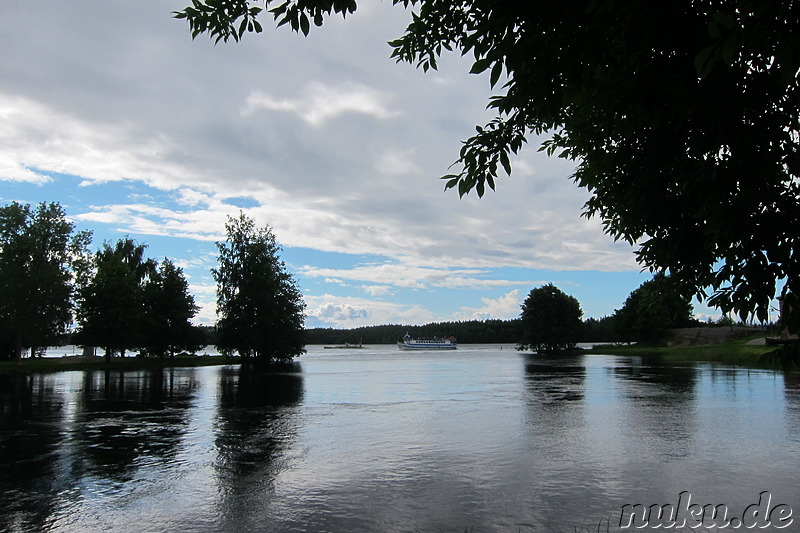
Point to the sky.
(112, 110)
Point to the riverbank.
(79, 362)
(749, 351)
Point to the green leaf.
(505, 162)
(729, 50)
(497, 70)
(479, 66)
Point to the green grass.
(59, 364)
(737, 353)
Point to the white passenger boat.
(435, 343)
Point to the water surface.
(481, 439)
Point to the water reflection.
(128, 418)
(256, 425)
(791, 384)
(29, 438)
(659, 393)
(554, 380)
(65, 435)
(479, 440)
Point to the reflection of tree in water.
(59, 434)
(555, 387)
(30, 435)
(661, 403)
(791, 384)
(556, 379)
(130, 417)
(257, 422)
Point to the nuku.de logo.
(690, 515)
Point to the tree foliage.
(168, 310)
(133, 303)
(111, 312)
(260, 308)
(40, 256)
(682, 118)
(551, 320)
(649, 311)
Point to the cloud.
(396, 161)
(35, 135)
(412, 277)
(504, 308)
(145, 219)
(205, 298)
(11, 170)
(321, 102)
(330, 312)
(376, 290)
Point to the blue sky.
(112, 110)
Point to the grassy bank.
(739, 353)
(60, 364)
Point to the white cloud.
(321, 102)
(377, 290)
(11, 170)
(411, 277)
(400, 162)
(330, 312)
(36, 135)
(505, 307)
(349, 312)
(146, 219)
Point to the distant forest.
(605, 329)
(470, 332)
(466, 332)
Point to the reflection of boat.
(435, 343)
(346, 345)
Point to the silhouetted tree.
(551, 320)
(111, 312)
(40, 256)
(656, 306)
(168, 310)
(260, 308)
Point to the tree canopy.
(683, 118)
(111, 312)
(649, 311)
(40, 256)
(551, 320)
(168, 310)
(260, 308)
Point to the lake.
(482, 439)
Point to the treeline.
(493, 331)
(122, 301)
(472, 331)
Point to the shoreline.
(744, 353)
(80, 362)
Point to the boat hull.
(404, 346)
(409, 343)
